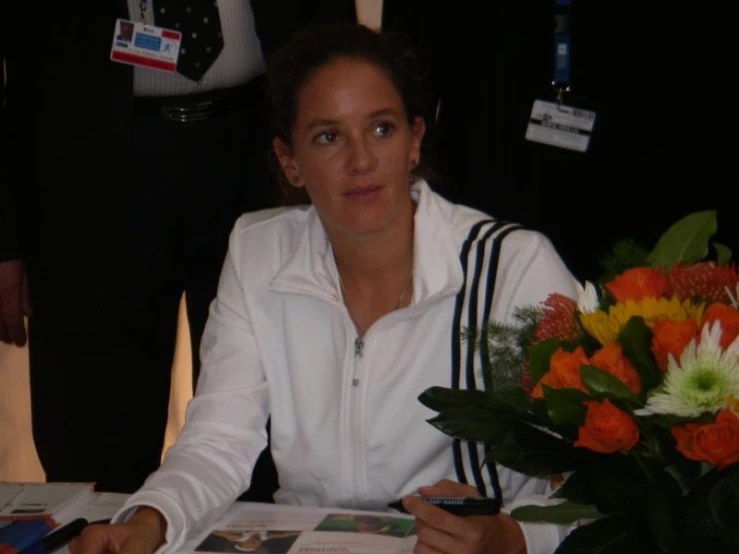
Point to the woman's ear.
(418, 129)
(287, 162)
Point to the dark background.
(664, 144)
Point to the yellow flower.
(605, 327)
(732, 402)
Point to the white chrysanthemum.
(705, 380)
(734, 297)
(587, 298)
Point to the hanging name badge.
(144, 45)
(560, 125)
(553, 123)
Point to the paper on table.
(278, 529)
(53, 502)
(104, 506)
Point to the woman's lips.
(363, 193)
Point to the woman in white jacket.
(331, 318)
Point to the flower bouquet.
(629, 394)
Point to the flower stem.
(641, 465)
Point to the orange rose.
(671, 337)
(564, 372)
(637, 284)
(728, 316)
(716, 443)
(611, 358)
(607, 429)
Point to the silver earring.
(411, 177)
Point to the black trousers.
(126, 219)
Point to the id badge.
(145, 45)
(559, 125)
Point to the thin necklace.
(360, 331)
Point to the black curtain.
(663, 145)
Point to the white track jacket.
(347, 428)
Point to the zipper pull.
(358, 351)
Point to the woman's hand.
(143, 533)
(439, 531)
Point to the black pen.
(460, 506)
(60, 537)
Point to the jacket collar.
(311, 268)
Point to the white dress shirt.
(240, 60)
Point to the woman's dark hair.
(315, 47)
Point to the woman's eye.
(383, 128)
(327, 137)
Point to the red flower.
(607, 429)
(728, 316)
(611, 359)
(716, 443)
(671, 337)
(705, 280)
(637, 284)
(564, 372)
(527, 381)
(557, 319)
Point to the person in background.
(119, 185)
(348, 316)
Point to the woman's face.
(352, 147)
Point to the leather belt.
(196, 107)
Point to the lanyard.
(562, 48)
(143, 5)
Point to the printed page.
(8, 492)
(265, 528)
(103, 506)
(37, 499)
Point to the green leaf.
(670, 420)
(683, 470)
(635, 339)
(710, 507)
(442, 398)
(471, 424)
(618, 482)
(566, 512)
(577, 488)
(512, 399)
(610, 535)
(539, 355)
(686, 241)
(702, 545)
(467, 414)
(723, 500)
(565, 406)
(534, 452)
(723, 253)
(624, 254)
(602, 383)
(661, 509)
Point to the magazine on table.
(275, 529)
(52, 502)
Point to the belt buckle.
(190, 114)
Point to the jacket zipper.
(357, 436)
(358, 353)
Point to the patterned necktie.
(199, 21)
